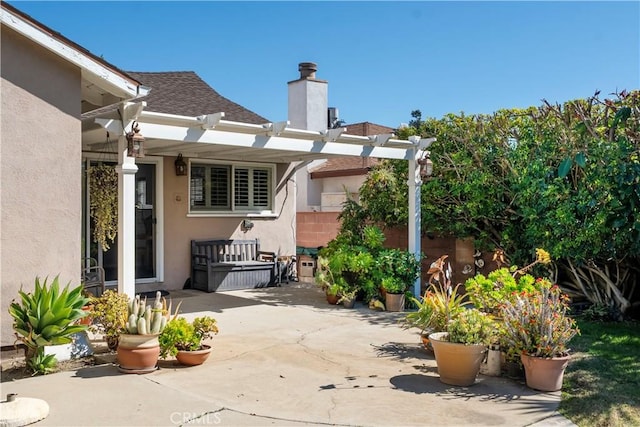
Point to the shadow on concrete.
(292, 295)
(401, 351)
(196, 301)
(485, 389)
(98, 371)
(300, 294)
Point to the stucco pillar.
(415, 184)
(127, 169)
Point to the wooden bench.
(224, 265)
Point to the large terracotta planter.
(544, 373)
(195, 357)
(458, 364)
(394, 302)
(138, 354)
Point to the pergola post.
(415, 184)
(415, 207)
(126, 169)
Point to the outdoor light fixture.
(246, 225)
(181, 166)
(135, 141)
(426, 166)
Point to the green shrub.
(47, 316)
(181, 335)
(471, 326)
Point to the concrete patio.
(285, 357)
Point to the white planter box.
(80, 347)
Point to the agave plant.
(48, 315)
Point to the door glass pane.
(144, 229)
(145, 221)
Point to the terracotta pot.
(544, 373)
(333, 299)
(458, 364)
(86, 320)
(195, 357)
(138, 354)
(394, 302)
(426, 343)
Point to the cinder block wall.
(315, 229)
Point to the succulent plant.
(146, 319)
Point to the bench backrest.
(226, 250)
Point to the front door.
(145, 227)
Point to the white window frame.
(234, 212)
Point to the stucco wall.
(275, 234)
(40, 164)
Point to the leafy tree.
(562, 177)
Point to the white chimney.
(308, 99)
(308, 109)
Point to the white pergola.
(210, 136)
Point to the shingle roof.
(367, 128)
(347, 166)
(184, 93)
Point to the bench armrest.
(200, 258)
(267, 256)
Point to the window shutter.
(241, 187)
(261, 188)
(219, 176)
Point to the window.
(230, 188)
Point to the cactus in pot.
(147, 319)
(138, 348)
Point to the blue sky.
(382, 59)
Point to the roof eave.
(94, 70)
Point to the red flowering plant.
(537, 322)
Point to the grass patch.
(602, 381)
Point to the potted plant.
(394, 293)
(109, 314)
(138, 347)
(348, 295)
(435, 308)
(401, 269)
(440, 303)
(103, 184)
(488, 293)
(461, 349)
(45, 317)
(183, 339)
(537, 326)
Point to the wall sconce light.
(426, 166)
(181, 166)
(135, 142)
(247, 225)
